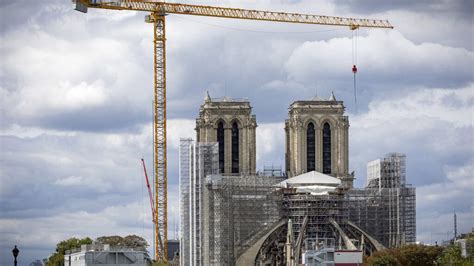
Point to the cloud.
(386, 61)
(66, 83)
(76, 105)
(270, 145)
(69, 181)
(445, 22)
(433, 127)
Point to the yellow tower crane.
(158, 10)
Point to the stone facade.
(334, 159)
(232, 116)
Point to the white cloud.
(180, 128)
(459, 184)
(121, 219)
(270, 145)
(31, 132)
(91, 183)
(53, 72)
(382, 56)
(434, 128)
(76, 93)
(69, 181)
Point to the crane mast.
(158, 9)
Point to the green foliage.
(452, 256)
(420, 254)
(131, 241)
(410, 255)
(383, 260)
(110, 240)
(388, 257)
(57, 259)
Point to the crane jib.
(226, 12)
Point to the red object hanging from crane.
(354, 69)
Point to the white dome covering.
(311, 182)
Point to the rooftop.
(313, 182)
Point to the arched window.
(326, 149)
(235, 148)
(310, 148)
(220, 140)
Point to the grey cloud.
(461, 8)
(112, 52)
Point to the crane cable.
(354, 63)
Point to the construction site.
(271, 218)
(231, 214)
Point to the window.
(326, 149)
(310, 148)
(220, 140)
(235, 148)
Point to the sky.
(76, 102)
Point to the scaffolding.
(185, 166)
(197, 160)
(225, 217)
(318, 208)
(272, 170)
(239, 210)
(386, 208)
(388, 214)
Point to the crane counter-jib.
(235, 13)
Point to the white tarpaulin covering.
(312, 182)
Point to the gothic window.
(326, 149)
(235, 148)
(310, 148)
(220, 140)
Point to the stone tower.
(317, 138)
(230, 123)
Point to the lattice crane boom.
(158, 10)
(236, 13)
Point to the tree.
(57, 259)
(389, 257)
(135, 241)
(420, 254)
(383, 260)
(410, 255)
(452, 256)
(130, 241)
(109, 240)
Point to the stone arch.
(237, 120)
(310, 120)
(327, 119)
(220, 120)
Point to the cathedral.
(316, 130)
(232, 214)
